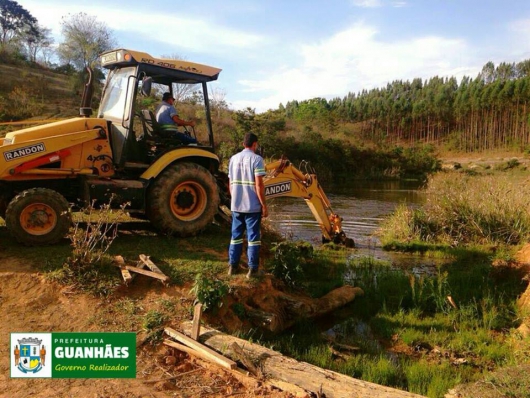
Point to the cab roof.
(162, 70)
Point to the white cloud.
(521, 26)
(377, 3)
(185, 31)
(367, 3)
(357, 59)
(520, 36)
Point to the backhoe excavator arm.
(283, 179)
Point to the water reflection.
(362, 205)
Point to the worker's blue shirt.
(164, 113)
(243, 169)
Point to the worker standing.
(245, 172)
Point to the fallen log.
(280, 310)
(282, 372)
(198, 354)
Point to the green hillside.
(30, 92)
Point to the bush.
(88, 268)
(290, 259)
(209, 291)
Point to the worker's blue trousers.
(251, 223)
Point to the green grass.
(410, 313)
(432, 380)
(372, 364)
(179, 258)
(462, 209)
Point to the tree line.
(488, 112)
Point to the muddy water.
(363, 206)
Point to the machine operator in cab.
(168, 118)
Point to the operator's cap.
(167, 96)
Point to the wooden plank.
(196, 329)
(127, 277)
(282, 371)
(152, 266)
(211, 354)
(120, 262)
(152, 274)
(191, 351)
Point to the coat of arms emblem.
(30, 355)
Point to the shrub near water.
(465, 209)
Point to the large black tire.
(3, 207)
(4, 200)
(183, 200)
(38, 216)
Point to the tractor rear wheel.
(38, 216)
(3, 207)
(183, 200)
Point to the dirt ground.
(29, 302)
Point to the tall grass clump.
(429, 379)
(463, 209)
(385, 288)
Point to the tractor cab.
(127, 104)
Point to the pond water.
(362, 206)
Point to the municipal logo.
(278, 189)
(30, 356)
(73, 355)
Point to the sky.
(275, 51)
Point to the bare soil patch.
(29, 302)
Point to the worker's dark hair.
(167, 96)
(249, 139)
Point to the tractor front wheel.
(183, 199)
(38, 216)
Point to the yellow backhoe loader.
(123, 154)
